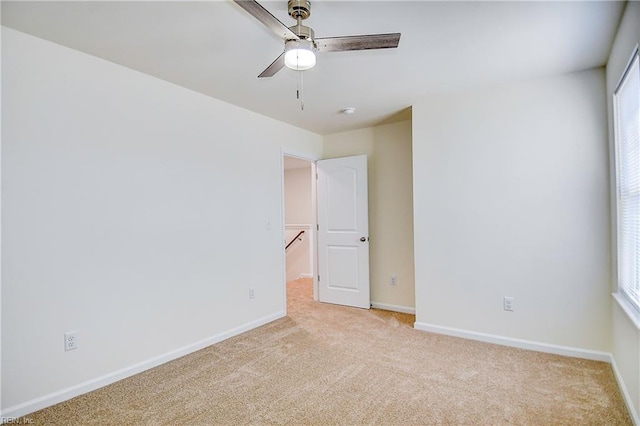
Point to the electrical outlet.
(70, 340)
(507, 303)
(252, 293)
(394, 280)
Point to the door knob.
(363, 239)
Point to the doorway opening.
(300, 225)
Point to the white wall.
(297, 189)
(133, 211)
(511, 199)
(625, 334)
(298, 217)
(1, 185)
(388, 150)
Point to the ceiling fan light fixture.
(299, 55)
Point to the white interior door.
(343, 234)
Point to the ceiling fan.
(300, 43)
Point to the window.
(626, 103)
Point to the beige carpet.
(331, 365)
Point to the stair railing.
(296, 238)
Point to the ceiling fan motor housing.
(304, 32)
(299, 9)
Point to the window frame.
(626, 301)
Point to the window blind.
(627, 136)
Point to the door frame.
(313, 244)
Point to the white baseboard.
(625, 393)
(394, 308)
(305, 276)
(516, 343)
(99, 382)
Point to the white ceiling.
(216, 48)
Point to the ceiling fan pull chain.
(301, 90)
(298, 88)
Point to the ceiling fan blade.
(359, 42)
(274, 67)
(261, 14)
